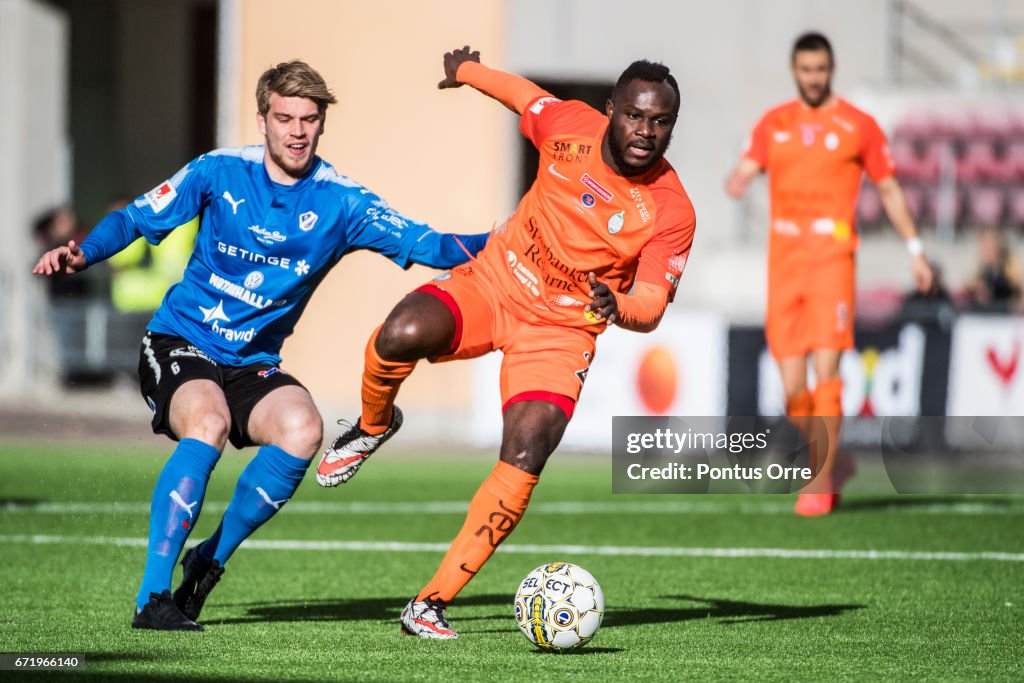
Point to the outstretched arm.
(895, 205)
(112, 234)
(463, 66)
(62, 260)
(446, 250)
(739, 179)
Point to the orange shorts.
(541, 362)
(810, 307)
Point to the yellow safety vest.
(143, 273)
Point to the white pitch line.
(608, 550)
(563, 508)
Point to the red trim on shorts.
(449, 301)
(567, 404)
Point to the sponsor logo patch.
(525, 276)
(538, 106)
(596, 187)
(239, 292)
(214, 314)
(254, 279)
(253, 256)
(190, 352)
(161, 196)
(572, 152)
(268, 237)
(638, 199)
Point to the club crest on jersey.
(307, 220)
(616, 222)
(808, 132)
(161, 196)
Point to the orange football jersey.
(814, 158)
(580, 217)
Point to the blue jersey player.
(274, 220)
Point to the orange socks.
(494, 512)
(828, 406)
(381, 380)
(801, 405)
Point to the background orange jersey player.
(815, 149)
(601, 237)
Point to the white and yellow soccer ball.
(559, 606)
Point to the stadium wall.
(34, 175)
(435, 156)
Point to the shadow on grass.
(130, 677)
(20, 502)
(725, 611)
(355, 609)
(909, 501)
(585, 650)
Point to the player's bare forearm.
(737, 182)
(515, 92)
(895, 205)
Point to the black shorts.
(166, 362)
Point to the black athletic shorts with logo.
(166, 362)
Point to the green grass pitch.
(317, 594)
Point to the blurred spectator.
(54, 228)
(996, 286)
(142, 273)
(934, 307)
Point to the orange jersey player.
(815, 149)
(601, 237)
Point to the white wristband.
(915, 247)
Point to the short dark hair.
(652, 72)
(812, 41)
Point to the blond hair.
(293, 79)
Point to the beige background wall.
(434, 155)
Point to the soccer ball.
(559, 606)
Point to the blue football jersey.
(262, 248)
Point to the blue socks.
(266, 484)
(177, 499)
